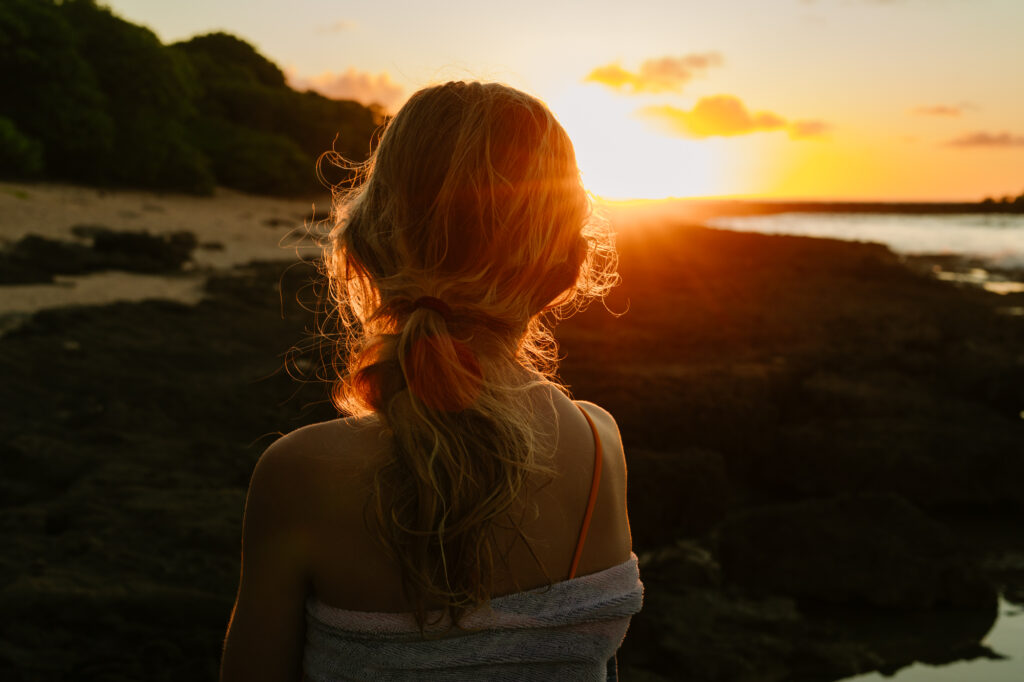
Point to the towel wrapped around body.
(567, 631)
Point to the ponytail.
(470, 231)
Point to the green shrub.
(241, 88)
(51, 92)
(223, 57)
(149, 91)
(100, 100)
(254, 161)
(20, 156)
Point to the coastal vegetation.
(1007, 203)
(95, 99)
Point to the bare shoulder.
(612, 541)
(326, 460)
(335, 443)
(607, 428)
(611, 439)
(601, 416)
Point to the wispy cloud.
(367, 88)
(803, 130)
(727, 116)
(664, 74)
(939, 110)
(337, 27)
(988, 139)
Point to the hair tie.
(435, 304)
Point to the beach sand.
(231, 229)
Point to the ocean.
(991, 245)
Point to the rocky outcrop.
(34, 259)
(695, 628)
(696, 624)
(860, 550)
(686, 491)
(813, 367)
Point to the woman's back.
(332, 465)
(360, 625)
(458, 493)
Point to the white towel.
(567, 631)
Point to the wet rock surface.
(699, 625)
(34, 259)
(863, 550)
(813, 366)
(814, 369)
(695, 627)
(130, 432)
(687, 491)
(750, 374)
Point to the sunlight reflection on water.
(994, 237)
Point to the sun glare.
(622, 157)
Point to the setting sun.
(621, 157)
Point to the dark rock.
(685, 564)
(1006, 567)
(886, 431)
(37, 466)
(955, 456)
(9, 670)
(57, 521)
(809, 376)
(694, 629)
(88, 230)
(867, 550)
(13, 271)
(686, 491)
(35, 259)
(900, 638)
(696, 626)
(143, 252)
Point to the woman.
(468, 521)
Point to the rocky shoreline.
(824, 449)
(826, 432)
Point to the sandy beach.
(231, 228)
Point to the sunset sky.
(825, 99)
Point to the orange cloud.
(726, 116)
(987, 139)
(938, 110)
(367, 88)
(665, 74)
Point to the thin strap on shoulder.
(592, 500)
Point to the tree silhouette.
(100, 100)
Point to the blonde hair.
(467, 234)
